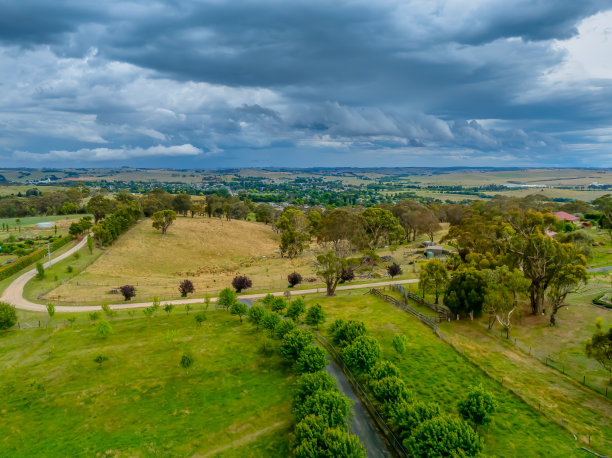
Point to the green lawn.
(57, 402)
(434, 371)
(30, 220)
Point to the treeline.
(31, 258)
(35, 202)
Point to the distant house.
(436, 251)
(563, 216)
(550, 233)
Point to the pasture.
(141, 402)
(436, 372)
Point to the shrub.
(278, 305)
(394, 270)
(8, 316)
(331, 405)
(186, 287)
(362, 354)
(390, 389)
(128, 292)
(239, 309)
(267, 301)
(40, 271)
(384, 369)
(294, 343)
(314, 438)
(187, 361)
(93, 316)
(294, 279)
(103, 329)
(345, 333)
(443, 436)
(311, 359)
(100, 359)
(270, 321)
(284, 327)
(400, 343)
(241, 282)
(256, 314)
(347, 274)
(200, 318)
(405, 417)
(478, 405)
(227, 298)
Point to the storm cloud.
(214, 84)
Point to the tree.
(108, 311)
(182, 203)
(163, 220)
(168, 308)
(314, 438)
(227, 298)
(604, 205)
(478, 405)
(406, 416)
(362, 354)
(187, 361)
(239, 309)
(93, 316)
(501, 296)
(599, 347)
(315, 316)
(186, 287)
(284, 327)
(200, 318)
(311, 359)
(241, 282)
(342, 231)
(330, 268)
(466, 292)
(443, 436)
(331, 405)
(100, 359)
(433, 278)
(103, 329)
(40, 271)
(296, 308)
(310, 383)
(294, 278)
(381, 227)
(100, 206)
(390, 389)
(188, 308)
(345, 333)
(394, 269)
(416, 219)
(270, 322)
(8, 316)
(128, 292)
(294, 343)
(50, 310)
(400, 343)
(278, 304)
(294, 228)
(256, 314)
(89, 243)
(569, 280)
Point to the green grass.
(58, 274)
(434, 371)
(30, 220)
(141, 402)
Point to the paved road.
(362, 425)
(13, 294)
(600, 269)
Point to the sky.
(213, 84)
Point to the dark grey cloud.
(224, 81)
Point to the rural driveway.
(13, 294)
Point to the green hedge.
(31, 258)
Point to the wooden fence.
(430, 321)
(443, 312)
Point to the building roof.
(563, 216)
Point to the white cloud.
(110, 154)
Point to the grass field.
(434, 371)
(57, 402)
(209, 252)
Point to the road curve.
(13, 294)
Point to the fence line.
(392, 439)
(441, 310)
(428, 320)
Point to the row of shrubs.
(322, 413)
(421, 426)
(111, 227)
(31, 258)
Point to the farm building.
(563, 216)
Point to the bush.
(278, 305)
(314, 438)
(284, 327)
(394, 270)
(311, 359)
(443, 436)
(400, 343)
(200, 318)
(294, 279)
(405, 417)
(344, 333)
(40, 271)
(227, 298)
(186, 287)
(331, 405)
(8, 316)
(270, 321)
(103, 329)
(267, 301)
(478, 405)
(362, 354)
(239, 309)
(128, 292)
(390, 389)
(384, 369)
(256, 314)
(347, 274)
(294, 343)
(241, 282)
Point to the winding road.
(13, 294)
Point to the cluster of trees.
(112, 217)
(423, 428)
(35, 202)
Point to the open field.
(210, 252)
(13, 190)
(28, 223)
(233, 402)
(434, 371)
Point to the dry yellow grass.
(209, 252)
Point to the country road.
(13, 294)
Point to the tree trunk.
(491, 321)
(507, 332)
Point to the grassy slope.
(436, 372)
(141, 402)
